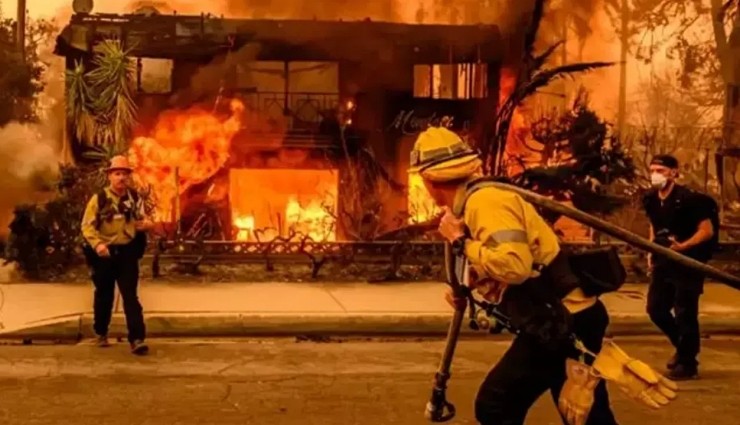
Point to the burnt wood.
(175, 36)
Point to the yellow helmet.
(441, 155)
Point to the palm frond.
(79, 97)
(540, 60)
(111, 98)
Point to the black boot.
(682, 372)
(139, 347)
(102, 341)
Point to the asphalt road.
(284, 382)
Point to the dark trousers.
(121, 267)
(527, 370)
(679, 292)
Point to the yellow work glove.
(577, 394)
(638, 380)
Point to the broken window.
(155, 75)
(451, 81)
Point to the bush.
(45, 239)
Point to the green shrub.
(45, 239)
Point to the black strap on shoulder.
(472, 187)
(102, 203)
(481, 183)
(102, 199)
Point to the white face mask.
(658, 180)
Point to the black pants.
(679, 292)
(121, 267)
(526, 371)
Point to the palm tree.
(101, 102)
(530, 78)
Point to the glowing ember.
(421, 207)
(194, 144)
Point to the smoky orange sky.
(602, 45)
(63, 8)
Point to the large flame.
(288, 203)
(185, 148)
(312, 221)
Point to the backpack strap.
(102, 203)
(472, 187)
(476, 185)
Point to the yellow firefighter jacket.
(113, 228)
(509, 239)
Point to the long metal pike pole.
(438, 409)
(620, 233)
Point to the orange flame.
(265, 203)
(312, 221)
(421, 206)
(192, 144)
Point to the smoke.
(8, 273)
(221, 71)
(29, 162)
(502, 12)
(30, 153)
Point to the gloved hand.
(491, 290)
(577, 394)
(638, 380)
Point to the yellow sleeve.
(89, 232)
(499, 244)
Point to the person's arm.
(88, 226)
(499, 244)
(704, 232)
(702, 210)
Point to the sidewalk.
(63, 311)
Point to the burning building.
(255, 127)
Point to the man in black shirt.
(681, 219)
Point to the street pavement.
(62, 311)
(284, 381)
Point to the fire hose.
(438, 409)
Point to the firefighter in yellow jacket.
(516, 260)
(113, 227)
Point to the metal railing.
(411, 252)
(296, 112)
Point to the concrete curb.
(199, 325)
